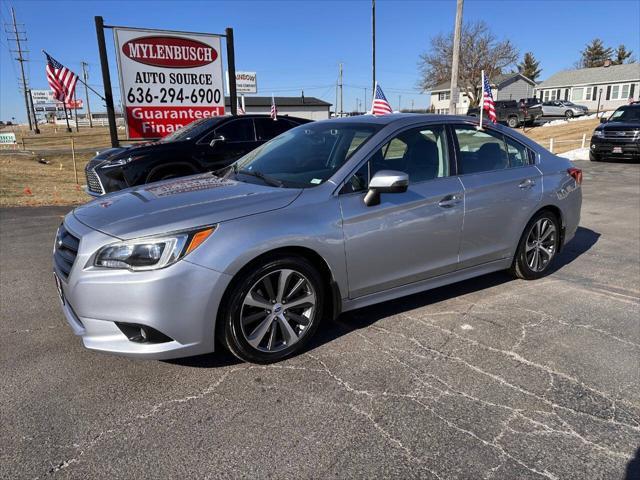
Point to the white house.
(509, 86)
(610, 86)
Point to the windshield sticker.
(316, 181)
(190, 184)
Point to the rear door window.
(239, 130)
(480, 150)
(267, 128)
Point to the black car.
(512, 113)
(204, 145)
(618, 136)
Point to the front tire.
(568, 114)
(273, 310)
(594, 157)
(537, 248)
(513, 122)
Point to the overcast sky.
(298, 44)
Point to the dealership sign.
(246, 82)
(168, 79)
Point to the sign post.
(231, 62)
(106, 80)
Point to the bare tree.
(479, 50)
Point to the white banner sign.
(246, 82)
(168, 79)
(7, 138)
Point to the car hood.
(133, 151)
(618, 126)
(180, 204)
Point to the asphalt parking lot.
(489, 378)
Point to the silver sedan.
(563, 108)
(328, 217)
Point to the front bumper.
(180, 301)
(604, 147)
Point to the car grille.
(65, 251)
(93, 182)
(621, 133)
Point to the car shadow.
(633, 467)
(348, 322)
(583, 240)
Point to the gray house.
(611, 86)
(507, 86)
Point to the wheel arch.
(333, 301)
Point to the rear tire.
(537, 248)
(272, 310)
(513, 122)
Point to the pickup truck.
(510, 112)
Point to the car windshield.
(306, 156)
(193, 130)
(626, 114)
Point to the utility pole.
(399, 102)
(373, 46)
(340, 85)
(364, 108)
(21, 59)
(453, 97)
(85, 76)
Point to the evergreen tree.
(595, 54)
(529, 66)
(621, 55)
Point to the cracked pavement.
(491, 378)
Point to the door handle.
(450, 201)
(528, 183)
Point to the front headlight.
(151, 253)
(598, 133)
(117, 162)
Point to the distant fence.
(553, 142)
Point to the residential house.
(605, 87)
(508, 86)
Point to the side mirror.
(385, 181)
(603, 120)
(216, 139)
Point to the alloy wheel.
(278, 310)
(541, 245)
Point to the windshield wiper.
(266, 179)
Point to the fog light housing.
(142, 333)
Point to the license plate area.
(59, 288)
(616, 150)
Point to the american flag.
(274, 109)
(380, 104)
(488, 104)
(61, 80)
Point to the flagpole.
(481, 100)
(75, 109)
(373, 96)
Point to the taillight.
(576, 173)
